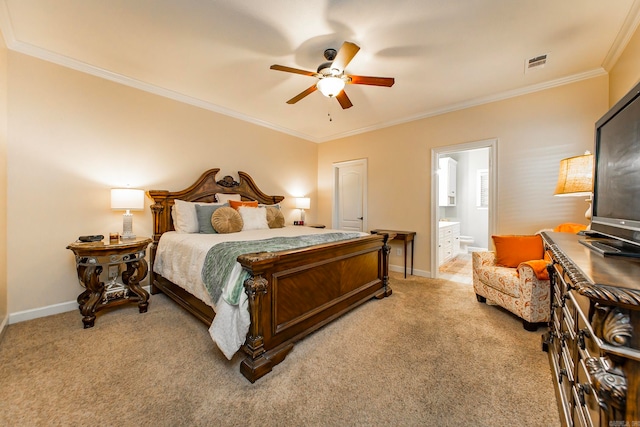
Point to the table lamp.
(302, 203)
(576, 178)
(127, 199)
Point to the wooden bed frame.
(291, 293)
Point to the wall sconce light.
(302, 203)
(127, 199)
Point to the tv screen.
(616, 198)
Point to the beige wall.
(626, 71)
(534, 133)
(73, 136)
(3, 184)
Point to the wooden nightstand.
(124, 267)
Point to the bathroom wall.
(474, 219)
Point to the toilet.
(465, 241)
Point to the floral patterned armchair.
(522, 287)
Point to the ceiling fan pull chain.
(329, 109)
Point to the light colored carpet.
(429, 355)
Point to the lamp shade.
(303, 203)
(330, 86)
(576, 176)
(127, 199)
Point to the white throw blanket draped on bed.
(180, 259)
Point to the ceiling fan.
(331, 76)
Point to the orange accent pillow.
(570, 227)
(512, 250)
(236, 204)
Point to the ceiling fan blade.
(344, 100)
(345, 55)
(292, 70)
(372, 81)
(302, 94)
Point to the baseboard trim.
(400, 269)
(3, 326)
(35, 313)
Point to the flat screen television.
(616, 191)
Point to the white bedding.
(180, 258)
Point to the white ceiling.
(443, 54)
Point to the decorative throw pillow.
(226, 220)
(236, 204)
(512, 250)
(224, 198)
(275, 218)
(204, 213)
(253, 218)
(262, 205)
(185, 217)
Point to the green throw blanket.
(222, 258)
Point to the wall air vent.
(535, 63)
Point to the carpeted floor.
(429, 355)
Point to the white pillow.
(262, 205)
(253, 218)
(185, 217)
(224, 198)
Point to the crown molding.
(65, 61)
(628, 29)
(630, 25)
(46, 55)
(83, 67)
(476, 102)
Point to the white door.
(350, 194)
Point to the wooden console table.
(406, 237)
(593, 339)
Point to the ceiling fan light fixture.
(330, 86)
(331, 77)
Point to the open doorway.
(463, 205)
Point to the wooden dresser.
(593, 339)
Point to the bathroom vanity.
(448, 241)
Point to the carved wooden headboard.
(203, 190)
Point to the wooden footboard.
(293, 293)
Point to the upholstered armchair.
(515, 278)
